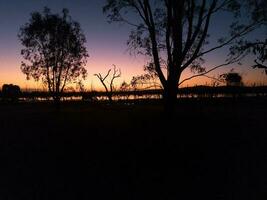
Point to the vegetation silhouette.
(174, 35)
(148, 80)
(54, 50)
(256, 46)
(129, 94)
(232, 79)
(258, 49)
(10, 92)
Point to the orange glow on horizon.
(130, 66)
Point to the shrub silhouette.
(10, 92)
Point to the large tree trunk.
(109, 95)
(170, 97)
(57, 98)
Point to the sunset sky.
(106, 43)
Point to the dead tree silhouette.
(116, 73)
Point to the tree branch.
(259, 65)
(116, 74)
(102, 80)
(152, 31)
(234, 60)
(246, 30)
(200, 20)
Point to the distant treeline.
(188, 92)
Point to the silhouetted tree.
(10, 92)
(54, 50)
(116, 73)
(174, 35)
(232, 79)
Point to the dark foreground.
(210, 150)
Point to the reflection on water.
(193, 92)
(137, 97)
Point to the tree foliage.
(256, 11)
(54, 50)
(232, 79)
(258, 48)
(148, 80)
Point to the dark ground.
(212, 149)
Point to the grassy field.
(210, 149)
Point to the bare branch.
(203, 36)
(190, 17)
(259, 65)
(168, 33)
(233, 60)
(116, 74)
(216, 79)
(139, 11)
(102, 80)
(152, 31)
(245, 31)
(191, 41)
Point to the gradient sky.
(106, 43)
